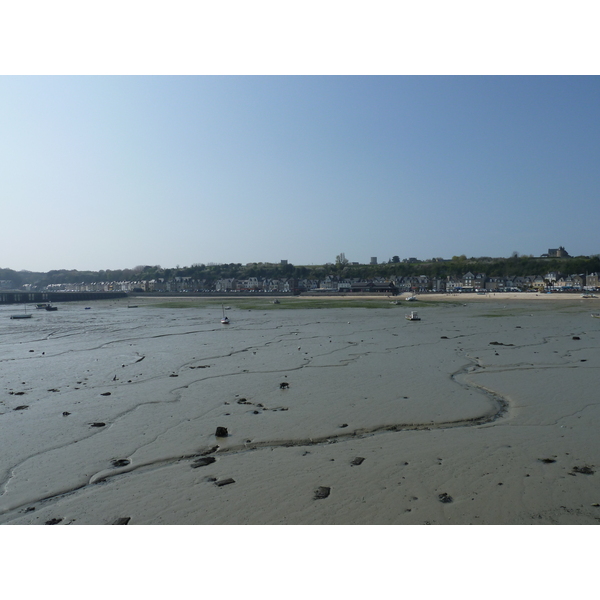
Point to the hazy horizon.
(114, 172)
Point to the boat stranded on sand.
(224, 319)
(413, 316)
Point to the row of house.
(469, 282)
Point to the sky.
(111, 172)
(220, 133)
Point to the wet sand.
(483, 412)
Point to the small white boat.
(224, 319)
(411, 298)
(588, 296)
(413, 316)
(596, 315)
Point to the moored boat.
(224, 319)
(413, 316)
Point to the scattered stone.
(120, 462)
(32, 351)
(30, 509)
(122, 521)
(583, 470)
(66, 413)
(105, 394)
(97, 424)
(224, 482)
(547, 460)
(55, 390)
(53, 521)
(284, 385)
(242, 401)
(221, 432)
(322, 492)
(343, 425)
(203, 462)
(22, 407)
(173, 375)
(18, 393)
(358, 461)
(209, 451)
(256, 412)
(445, 498)
(576, 337)
(595, 505)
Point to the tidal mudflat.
(483, 412)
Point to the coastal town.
(342, 277)
(469, 282)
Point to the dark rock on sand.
(322, 492)
(583, 470)
(445, 498)
(120, 462)
(576, 337)
(358, 461)
(221, 432)
(343, 425)
(22, 407)
(66, 413)
(284, 385)
(53, 521)
(224, 482)
(97, 424)
(105, 394)
(122, 521)
(202, 462)
(547, 460)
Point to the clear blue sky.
(113, 172)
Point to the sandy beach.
(483, 412)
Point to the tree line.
(456, 267)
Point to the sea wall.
(38, 297)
